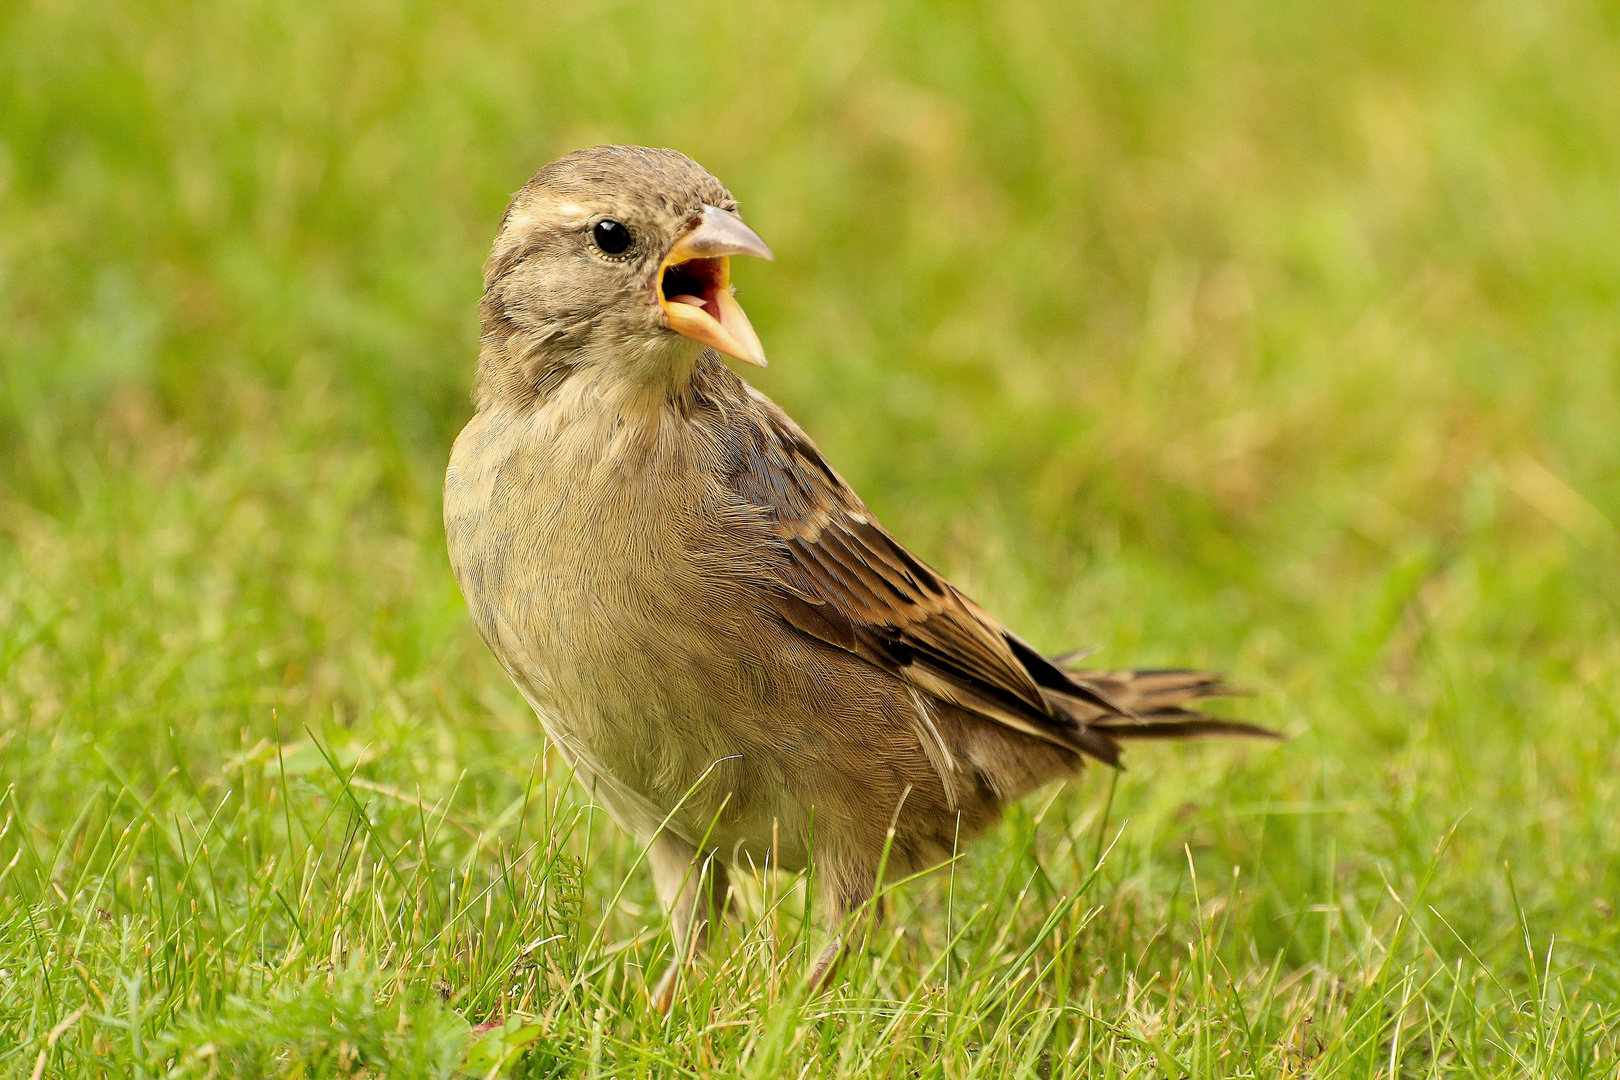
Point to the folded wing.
(845, 581)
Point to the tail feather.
(1152, 704)
(1180, 724)
(1148, 690)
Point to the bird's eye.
(611, 236)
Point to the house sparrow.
(738, 661)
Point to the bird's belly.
(658, 748)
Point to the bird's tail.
(1153, 704)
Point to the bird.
(733, 655)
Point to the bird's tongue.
(685, 299)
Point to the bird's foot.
(663, 993)
(821, 976)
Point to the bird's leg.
(848, 917)
(692, 890)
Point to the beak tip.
(754, 357)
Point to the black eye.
(611, 236)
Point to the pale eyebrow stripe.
(573, 214)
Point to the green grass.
(1277, 337)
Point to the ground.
(1273, 337)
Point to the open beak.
(694, 285)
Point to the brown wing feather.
(847, 582)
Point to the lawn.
(1282, 338)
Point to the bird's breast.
(610, 576)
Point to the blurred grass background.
(1278, 337)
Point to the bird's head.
(615, 255)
